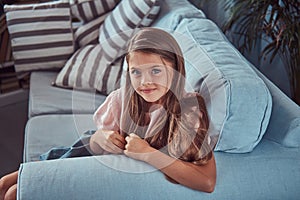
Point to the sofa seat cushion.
(48, 131)
(265, 173)
(47, 99)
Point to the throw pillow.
(238, 101)
(92, 66)
(88, 69)
(87, 10)
(89, 33)
(121, 24)
(41, 35)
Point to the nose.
(146, 79)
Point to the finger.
(113, 148)
(127, 139)
(119, 144)
(120, 138)
(116, 136)
(126, 146)
(133, 135)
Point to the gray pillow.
(122, 23)
(87, 10)
(41, 35)
(88, 69)
(89, 33)
(100, 66)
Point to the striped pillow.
(88, 69)
(41, 35)
(100, 66)
(87, 10)
(123, 21)
(89, 33)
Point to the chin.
(150, 100)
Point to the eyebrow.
(151, 67)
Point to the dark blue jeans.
(81, 147)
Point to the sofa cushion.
(99, 66)
(122, 23)
(238, 101)
(88, 69)
(47, 99)
(87, 10)
(173, 11)
(48, 131)
(89, 33)
(41, 35)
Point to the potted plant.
(275, 21)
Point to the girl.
(153, 119)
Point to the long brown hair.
(174, 133)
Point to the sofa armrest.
(97, 177)
(284, 124)
(239, 176)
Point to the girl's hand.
(137, 147)
(110, 141)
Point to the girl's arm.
(197, 177)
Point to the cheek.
(165, 80)
(160, 81)
(134, 82)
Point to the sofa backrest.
(284, 125)
(238, 101)
(242, 105)
(173, 11)
(253, 107)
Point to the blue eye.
(156, 71)
(135, 72)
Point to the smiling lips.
(147, 90)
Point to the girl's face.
(150, 75)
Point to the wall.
(13, 117)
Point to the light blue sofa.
(267, 167)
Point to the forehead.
(138, 58)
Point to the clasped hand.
(132, 145)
